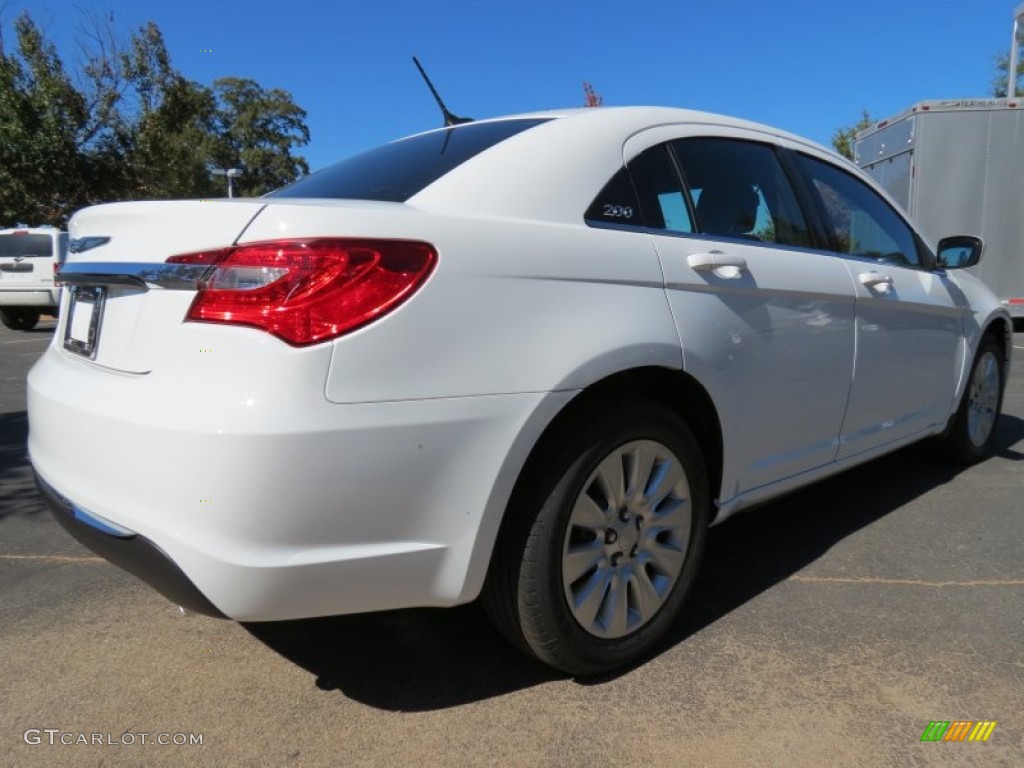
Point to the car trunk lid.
(123, 301)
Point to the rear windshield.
(26, 245)
(397, 171)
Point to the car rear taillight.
(307, 291)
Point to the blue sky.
(801, 65)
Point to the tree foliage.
(167, 131)
(591, 98)
(842, 139)
(133, 127)
(42, 117)
(999, 81)
(255, 129)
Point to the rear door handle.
(883, 283)
(714, 260)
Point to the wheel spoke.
(672, 513)
(615, 611)
(641, 463)
(581, 559)
(587, 514)
(588, 598)
(646, 600)
(663, 480)
(666, 559)
(609, 479)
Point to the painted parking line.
(907, 582)
(54, 558)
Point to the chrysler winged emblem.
(80, 244)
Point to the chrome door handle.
(883, 283)
(709, 262)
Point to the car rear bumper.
(267, 501)
(1015, 308)
(128, 550)
(43, 299)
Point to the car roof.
(552, 171)
(637, 118)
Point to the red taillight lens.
(307, 291)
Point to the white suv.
(28, 258)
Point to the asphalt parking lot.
(827, 629)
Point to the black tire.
(971, 437)
(20, 318)
(526, 595)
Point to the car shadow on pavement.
(18, 494)
(427, 659)
(40, 330)
(407, 661)
(1011, 434)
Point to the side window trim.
(928, 261)
(712, 238)
(809, 202)
(691, 209)
(652, 207)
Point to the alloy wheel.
(627, 539)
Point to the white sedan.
(529, 358)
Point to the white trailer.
(957, 167)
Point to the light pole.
(231, 174)
(1011, 70)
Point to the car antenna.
(449, 118)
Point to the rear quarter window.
(647, 193)
(397, 171)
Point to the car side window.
(661, 190)
(862, 222)
(739, 189)
(647, 193)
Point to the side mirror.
(959, 252)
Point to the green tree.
(135, 127)
(999, 81)
(842, 139)
(168, 135)
(257, 130)
(43, 175)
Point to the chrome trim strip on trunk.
(174, 277)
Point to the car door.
(765, 319)
(910, 317)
